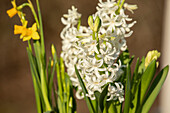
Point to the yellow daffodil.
(13, 11)
(27, 33)
(152, 55)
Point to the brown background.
(16, 89)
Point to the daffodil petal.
(21, 36)
(26, 38)
(35, 36)
(34, 27)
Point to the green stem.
(42, 61)
(41, 30)
(93, 35)
(118, 2)
(97, 39)
(32, 9)
(34, 13)
(121, 5)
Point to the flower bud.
(152, 55)
(53, 50)
(90, 22)
(97, 24)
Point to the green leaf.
(72, 101)
(59, 80)
(155, 89)
(135, 88)
(112, 108)
(50, 85)
(42, 71)
(97, 107)
(33, 67)
(55, 97)
(142, 66)
(136, 99)
(125, 57)
(135, 77)
(36, 81)
(49, 70)
(119, 108)
(103, 98)
(88, 101)
(37, 49)
(49, 112)
(147, 78)
(109, 107)
(127, 90)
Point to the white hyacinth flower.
(130, 7)
(96, 55)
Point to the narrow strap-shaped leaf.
(72, 101)
(154, 89)
(48, 80)
(33, 67)
(37, 50)
(50, 86)
(136, 99)
(62, 74)
(37, 93)
(49, 70)
(97, 107)
(103, 98)
(112, 108)
(142, 66)
(56, 62)
(127, 90)
(119, 108)
(55, 96)
(88, 101)
(42, 71)
(36, 80)
(147, 78)
(109, 107)
(135, 88)
(135, 77)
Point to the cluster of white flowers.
(96, 60)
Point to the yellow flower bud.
(53, 49)
(97, 24)
(90, 22)
(152, 55)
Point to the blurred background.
(16, 88)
